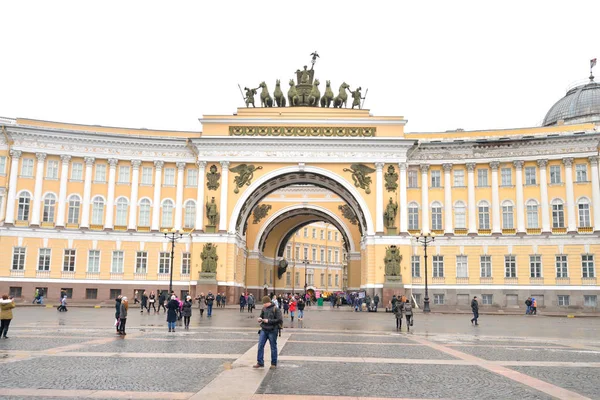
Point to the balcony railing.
(96, 227)
(588, 281)
(143, 229)
(42, 274)
(120, 227)
(184, 277)
(164, 277)
(585, 229)
(484, 231)
(139, 276)
(19, 273)
(461, 231)
(534, 231)
(417, 280)
(559, 231)
(438, 231)
(116, 276)
(72, 226)
(563, 281)
(47, 225)
(511, 281)
(437, 279)
(536, 281)
(68, 274)
(462, 281)
(509, 231)
(486, 280)
(92, 275)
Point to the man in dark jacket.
(376, 300)
(161, 301)
(475, 309)
(270, 319)
(209, 304)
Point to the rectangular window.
(27, 167)
(436, 218)
(141, 262)
(587, 266)
(438, 266)
(77, 171)
(314, 255)
(510, 266)
(561, 266)
(114, 293)
(164, 263)
(459, 177)
(581, 172)
(100, 173)
(288, 279)
(530, 178)
(192, 177)
(297, 252)
(506, 177)
(484, 216)
(305, 232)
(462, 267)
(555, 174)
(44, 260)
(15, 292)
(69, 260)
(146, 175)
(486, 299)
(329, 256)
(336, 236)
(18, 263)
(305, 253)
(124, 174)
(288, 253)
(563, 300)
(328, 279)
(436, 179)
(93, 261)
(297, 278)
(337, 280)
(52, 169)
(507, 216)
(438, 299)
(532, 216)
(91, 294)
(2, 164)
(590, 300)
(336, 256)
(485, 264)
(413, 179)
(186, 261)
(482, 177)
(535, 266)
(584, 214)
(322, 279)
(413, 217)
(169, 177)
(322, 255)
(117, 262)
(328, 235)
(415, 266)
(558, 216)
(314, 233)
(322, 234)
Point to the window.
(484, 215)
(114, 293)
(77, 171)
(561, 266)
(15, 292)
(164, 263)
(337, 280)
(532, 214)
(322, 234)
(117, 262)
(297, 278)
(506, 177)
(305, 252)
(438, 266)
(121, 217)
(97, 210)
(167, 214)
(482, 177)
(563, 300)
(2, 164)
(49, 206)
(436, 179)
(144, 217)
(436, 216)
(141, 262)
(44, 260)
(100, 173)
(555, 174)
(507, 215)
(558, 214)
(590, 300)
(18, 258)
(322, 279)
(462, 267)
(146, 175)
(91, 294)
(485, 264)
(23, 210)
(587, 266)
(438, 299)
(189, 219)
(336, 236)
(581, 173)
(27, 167)
(337, 256)
(288, 279)
(510, 266)
(460, 215)
(459, 177)
(486, 299)
(186, 260)
(584, 213)
(93, 261)
(123, 174)
(68, 291)
(530, 176)
(69, 260)
(535, 266)
(413, 179)
(73, 215)
(52, 169)
(413, 216)
(314, 233)
(322, 255)
(305, 232)
(329, 256)
(192, 177)
(415, 266)
(169, 176)
(328, 279)
(297, 252)
(328, 235)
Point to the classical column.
(379, 196)
(179, 196)
(544, 196)
(403, 199)
(448, 226)
(200, 197)
(471, 198)
(62, 191)
(595, 193)
(133, 200)
(520, 205)
(87, 192)
(12, 187)
(424, 198)
(571, 220)
(110, 197)
(496, 224)
(224, 189)
(37, 191)
(158, 165)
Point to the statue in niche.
(260, 212)
(283, 264)
(391, 179)
(209, 258)
(392, 261)
(360, 176)
(246, 172)
(212, 178)
(390, 214)
(211, 212)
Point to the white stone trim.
(534, 288)
(349, 121)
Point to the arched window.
(144, 218)
(167, 214)
(484, 215)
(413, 216)
(189, 219)
(24, 202)
(508, 215)
(436, 216)
(460, 215)
(532, 215)
(558, 214)
(97, 210)
(121, 216)
(49, 206)
(583, 205)
(74, 205)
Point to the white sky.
(441, 64)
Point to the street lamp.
(425, 239)
(172, 237)
(305, 262)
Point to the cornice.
(324, 121)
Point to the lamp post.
(425, 240)
(172, 237)
(305, 262)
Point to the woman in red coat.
(293, 308)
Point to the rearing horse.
(342, 96)
(265, 98)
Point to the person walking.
(293, 308)
(152, 301)
(301, 304)
(475, 309)
(286, 306)
(117, 312)
(6, 314)
(218, 298)
(161, 301)
(533, 306)
(136, 294)
(223, 300)
(63, 304)
(250, 302)
(269, 320)
(123, 315)
(36, 296)
(144, 302)
(242, 302)
(376, 301)
(172, 308)
(209, 304)
(528, 305)
(201, 304)
(187, 312)
(398, 313)
(408, 312)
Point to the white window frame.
(413, 178)
(93, 263)
(124, 174)
(186, 263)
(535, 266)
(583, 213)
(462, 266)
(98, 205)
(415, 266)
(505, 176)
(169, 179)
(508, 217)
(482, 177)
(27, 168)
(555, 174)
(588, 267)
(141, 262)
(189, 214)
(436, 178)
(118, 262)
(144, 214)
(72, 216)
(558, 214)
(562, 266)
(483, 215)
(581, 174)
(533, 215)
(77, 171)
(192, 177)
(52, 169)
(69, 260)
(436, 216)
(437, 266)
(166, 215)
(49, 208)
(510, 266)
(164, 262)
(485, 266)
(44, 259)
(100, 174)
(19, 258)
(530, 176)
(413, 216)
(122, 206)
(146, 178)
(459, 178)
(23, 206)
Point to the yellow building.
(516, 212)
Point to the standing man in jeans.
(475, 309)
(209, 304)
(269, 320)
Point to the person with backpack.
(301, 305)
(209, 304)
(398, 314)
(270, 320)
(528, 305)
(475, 309)
(250, 302)
(408, 312)
(533, 306)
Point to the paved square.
(582, 380)
(171, 345)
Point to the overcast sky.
(442, 65)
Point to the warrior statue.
(356, 97)
(250, 93)
(211, 212)
(390, 214)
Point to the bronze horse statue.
(315, 95)
(328, 96)
(293, 94)
(278, 94)
(342, 96)
(265, 98)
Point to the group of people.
(247, 300)
(62, 307)
(366, 303)
(531, 304)
(401, 307)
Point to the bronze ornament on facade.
(260, 212)
(212, 178)
(245, 173)
(212, 212)
(209, 258)
(360, 176)
(348, 213)
(391, 179)
(327, 131)
(389, 216)
(392, 261)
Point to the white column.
(110, 197)
(158, 165)
(224, 189)
(471, 198)
(62, 191)
(496, 224)
(595, 193)
(12, 187)
(403, 199)
(544, 196)
(520, 205)
(87, 192)
(379, 196)
(179, 196)
(571, 220)
(448, 226)
(133, 198)
(37, 191)
(424, 199)
(200, 197)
